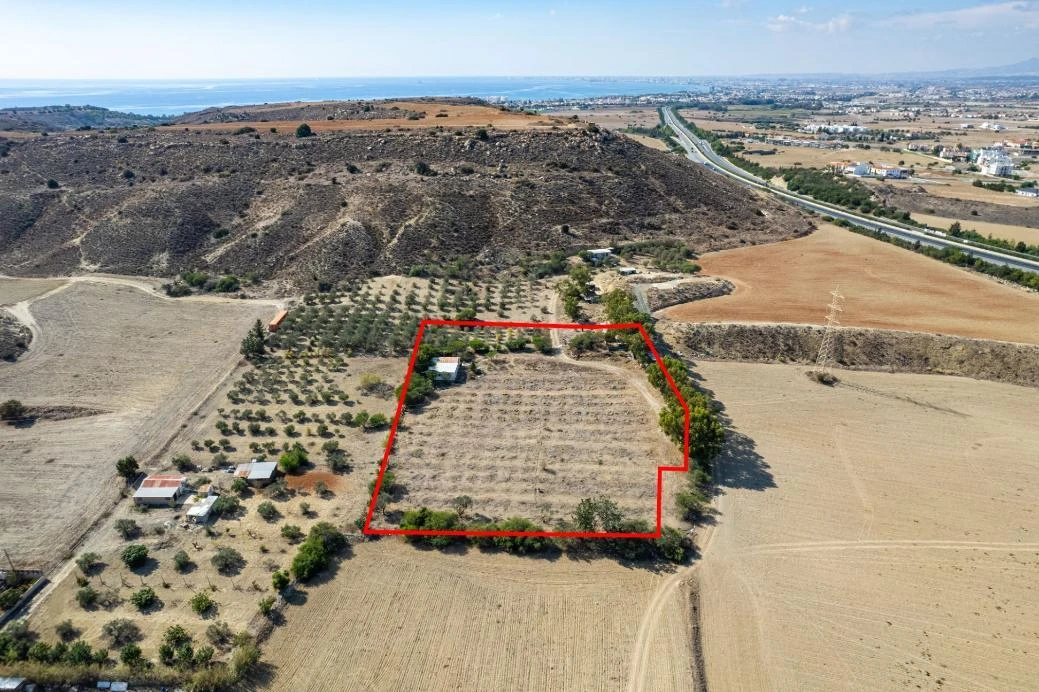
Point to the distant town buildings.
(865, 169)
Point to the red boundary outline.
(545, 534)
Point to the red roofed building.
(161, 489)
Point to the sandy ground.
(884, 286)
(615, 118)
(457, 116)
(532, 437)
(401, 618)
(878, 535)
(651, 142)
(996, 230)
(143, 361)
(13, 291)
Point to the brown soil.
(530, 438)
(1024, 234)
(880, 534)
(308, 480)
(884, 286)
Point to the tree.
(53, 184)
(66, 630)
(304, 131)
(86, 597)
(181, 561)
(12, 409)
(176, 635)
(292, 532)
(131, 655)
(267, 510)
(201, 603)
(134, 555)
(127, 528)
(254, 345)
(143, 598)
(121, 631)
(292, 460)
(227, 560)
(267, 605)
(87, 561)
(481, 134)
(127, 468)
(280, 579)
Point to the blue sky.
(146, 39)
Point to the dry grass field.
(615, 118)
(959, 187)
(877, 535)
(140, 363)
(822, 158)
(14, 291)
(455, 116)
(884, 286)
(996, 230)
(531, 437)
(399, 618)
(651, 142)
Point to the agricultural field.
(530, 436)
(499, 621)
(959, 187)
(1023, 234)
(879, 534)
(615, 118)
(822, 158)
(884, 286)
(117, 370)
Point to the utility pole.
(827, 357)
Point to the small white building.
(161, 490)
(200, 511)
(994, 162)
(257, 473)
(1029, 192)
(896, 172)
(599, 255)
(446, 369)
(860, 169)
(627, 271)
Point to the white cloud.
(1016, 14)
(835, 25)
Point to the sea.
(175, 97)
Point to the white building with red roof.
(161, 490)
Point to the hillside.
(352, 203)
(59, 118)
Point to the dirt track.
(878, 535)
(884, 286)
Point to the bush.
(87, 561)
(121, 631)
(267, 605)
(181, 561)
(201, 603)
(226, 505)
(227, 560)
(315, 552)
(86, 597)
(182, 462)
(267, 510)
(424, 518)
(134, 555)
(673, 545)
(219, 634)
(127, 528)
(304, 131)
(12, 409)
(280, 579)
(143, 598)
(53, 184)
(67, 631)
(292, 532)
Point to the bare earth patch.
(142, 361)
(885, 287)
(879, 534)
(532, 437)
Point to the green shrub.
(202, 603)
(143, 598)
(304, 131)
(227, 560)
(267, 510)
(134, 555)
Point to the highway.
(701, 152)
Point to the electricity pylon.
(827, 357)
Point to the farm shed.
(257, 473)
(627, 271)
(599, 255)
(273, 325)
(161, 490)
(200, 511)
(446, 369)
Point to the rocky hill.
(346, 204)
(61, 118)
